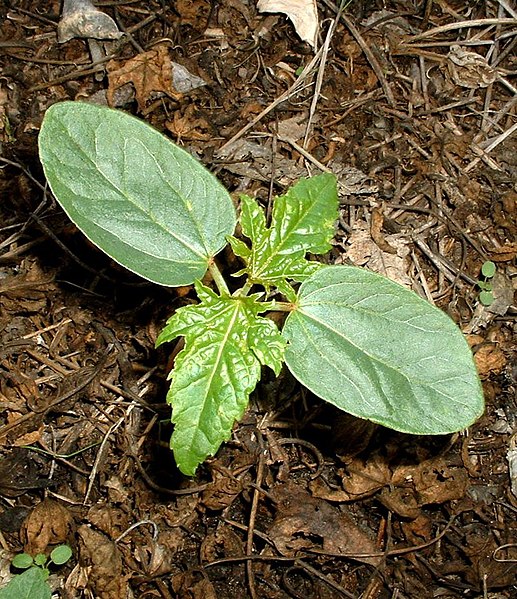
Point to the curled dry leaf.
(49, 523)
(224, 541)
(384, 254)
(304, 522)
(489, 360)
(222, 493)
(193, 584)
(302, 13)
(80, 18)
(150, 72)
(469, 69)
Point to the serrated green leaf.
(376, 350)
(302, 221)
(30, 584)
(226, 342)
(143, 200)
(40, 559)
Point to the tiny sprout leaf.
(40, 559)
(488, 269)
(143, 200)
(22, 561)
(31, 584)
(61, 554)
(378, 351)
(226, 342)
(302, 221)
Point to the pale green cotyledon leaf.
(144, 201)
(226, 342)
(302, 221)
(376, 350)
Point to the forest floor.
(413, 105)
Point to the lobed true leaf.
(302, 221)
(226, 342)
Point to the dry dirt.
(413, 104)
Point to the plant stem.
(218, 278)
(246, 288)
(283, 306)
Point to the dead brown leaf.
(366, 478)
(505, 253)
(193, 584)
(429, 482)
(103, 563)
(49, 523)
(364, 250)
(489, 360)
(194, 13)
(19, 473)
(376, 225)
(304, 522)
(224, 542)
(302, 13)
(469, 69)
(189, 126)
(221, 493)
(108, 518)
(150, 72)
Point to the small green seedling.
(32, 583)
(356, 339)
(486, 295)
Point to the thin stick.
(319, 77)
(371, 59)
(291, 91)
(461, 25)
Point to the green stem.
(246, 288)
(282, 306)
(219, 279)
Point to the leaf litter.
(417, 111)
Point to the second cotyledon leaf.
(226, 342)
(302, 221)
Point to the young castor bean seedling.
(356, 339)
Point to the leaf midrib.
(283, 241)
(129, 199)
(376, 358)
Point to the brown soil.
(414, 106)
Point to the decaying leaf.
(489, 360)
(386, 255)
(193, 584)
(469, 69)
(302, 13)
(303, 522)
(80, 18)
(189, 126)
(223, 542)
(222, 493)
(404, 489)
(150, 72)
(103, 563)
(49, 523)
